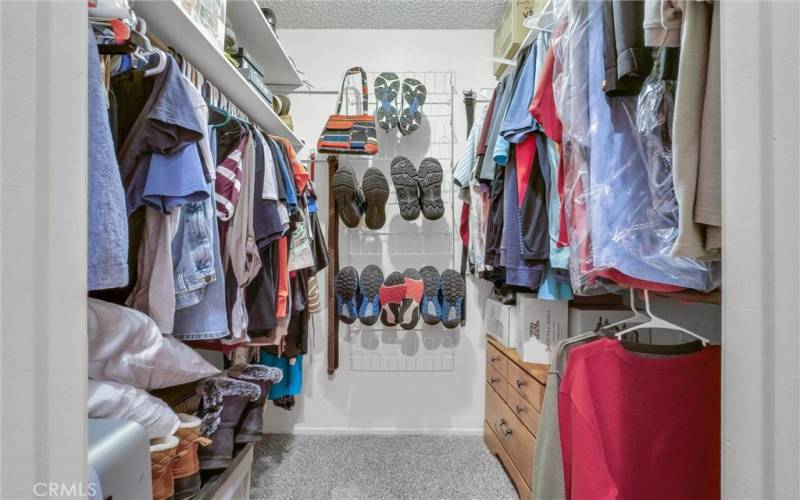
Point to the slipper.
(392, 293)
(370, 285)
(406, 186)
(346, 196)
(376, 194)
(345, 284)
(414, 94)
(430, 186)
(409, 310)
(387, 86)
(453, 292)
(432, 286)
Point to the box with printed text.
(541, 324)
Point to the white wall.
(387, 402)
(43, 246)
(761, 127)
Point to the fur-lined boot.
(224, 400)
(187, 463)
(250, 428)
(162, 463)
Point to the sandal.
(370, 285)
(414, 95)
(453, 293)
(345, 284)
(387, 86)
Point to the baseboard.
(385, 431)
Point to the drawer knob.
(494, 380)
(504, 427)
(520, 383)
(494, 359)
(519, 408)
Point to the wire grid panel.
(402, 244)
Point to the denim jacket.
(193, 253)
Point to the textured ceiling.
(387, 14)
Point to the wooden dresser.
(514, 393)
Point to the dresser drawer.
(493, 443)
(497, 359)
(512, 434)
(524, 410)
(497, 381)
(528, 387)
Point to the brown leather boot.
(187, 463)
(162, 462)
(224, 400)
(251, 425)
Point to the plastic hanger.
(543, 20)
(656, 322)
(638, 316)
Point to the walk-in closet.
(399, 249)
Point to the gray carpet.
(377, 467)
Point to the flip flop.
(432, 286)
(430, 186)
(387, 86)
(392, 293)
(346, 196)
(376, 194)
(414, 95)
(370, 285)
(406, 185)
(345, 284)
(453, 293)
(409, 311)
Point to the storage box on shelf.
(514, 392)
(542, 323)
(500, 321)
(171, 24)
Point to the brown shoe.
(187, 463)
(162, 462)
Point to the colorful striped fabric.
(229, 182)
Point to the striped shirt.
(229, 182)
(465, 167)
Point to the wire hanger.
(656, 322)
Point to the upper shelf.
(167, 20)
(256, 35)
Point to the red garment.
(480, 149)
(524, 152)
(635, 428)
(463, 227)
(282, 303)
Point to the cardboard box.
(542, 324)
(583, 319)
(500, 321)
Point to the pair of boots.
(233, 412)
(175, 467)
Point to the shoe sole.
(387, 85)
(406, 185)
(410, 310)
(432, 284)
(430, 185)
(392, 308)
(453, 288)
(412, 89)
(345, 283)
(370, 284)
(376, 193)
(344, 192)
